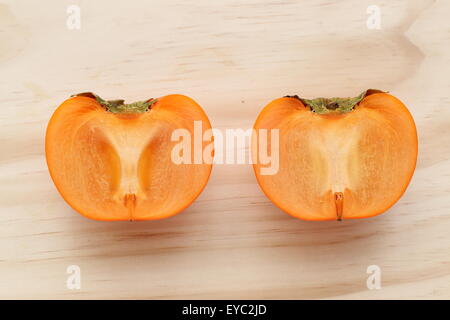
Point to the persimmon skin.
(113, 166)
(328, 162)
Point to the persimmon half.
(113, 161)
(339, 158)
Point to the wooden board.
(233, 57)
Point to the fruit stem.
(119, 106)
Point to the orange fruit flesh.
(339, 166)
(118, 166)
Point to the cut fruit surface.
(338, 159)
(112, 161)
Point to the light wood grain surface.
(232, 57)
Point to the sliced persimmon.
(339, 158)
(113, 161)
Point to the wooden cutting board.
(233, 57)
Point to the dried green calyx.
(119, 106)
(336, 105)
